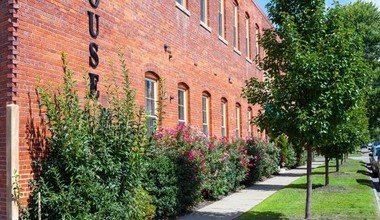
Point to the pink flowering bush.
(186, 167)
(174, 170)
(265, 159)
(228, 165)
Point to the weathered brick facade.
(33, 33)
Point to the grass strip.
(349, 196)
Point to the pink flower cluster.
(224, 156)
(193, 154)
(210, 146)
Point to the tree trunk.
(309, 182)
(337, 165)
(327, 179)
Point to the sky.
(262, 3)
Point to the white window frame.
(247, 38)
(250, 134)
(150, 115)
(205, 115)
(183, 3)
(184, 107)
(224, 119)
(257, 33)
(204, 15)
(236, 25)
(238, 120)
(221, 19)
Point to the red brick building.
(204, 49)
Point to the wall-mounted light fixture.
(171, 98)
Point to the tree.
(373, 108)
(365, 17)
(313, 75)
(348, 135)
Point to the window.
(150, 102)
(224, 117)
(250, 134)
(236, 25)
(221, 19)
(182, 107)
(257, 47)
(238, 121)
(247, 37)
(205, 114)
(182, 2)
(204, 11)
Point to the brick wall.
(141, 29)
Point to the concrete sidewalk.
(240, 202)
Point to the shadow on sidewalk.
(290, 174)
(199, 215)
(273, 187)
(261, 216)
(299, 168)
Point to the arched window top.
(249, 109)
(152, 75)
(257, 26)
(236, 3)
(247, 15)
(238, 105)
(206, 93)
(183, 86)
(224, 100)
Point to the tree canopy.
(314, 75)
(365, 17)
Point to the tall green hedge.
(96, 154)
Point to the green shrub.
(172, 182)
(143, 202)
(291, 159)
(264, 159)
(238, 164)
(184, 165)
(173, 176)
(93, 170)
(227, 165)
(301, 156)
(215, 181)
(287, 153)
(256, 149)
(271, 159)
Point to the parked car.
(374, 159)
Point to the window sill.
(182, 8)
(248, 60)
(237, 51)
(223, 40)
(205, 26)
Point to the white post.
(12, 157)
